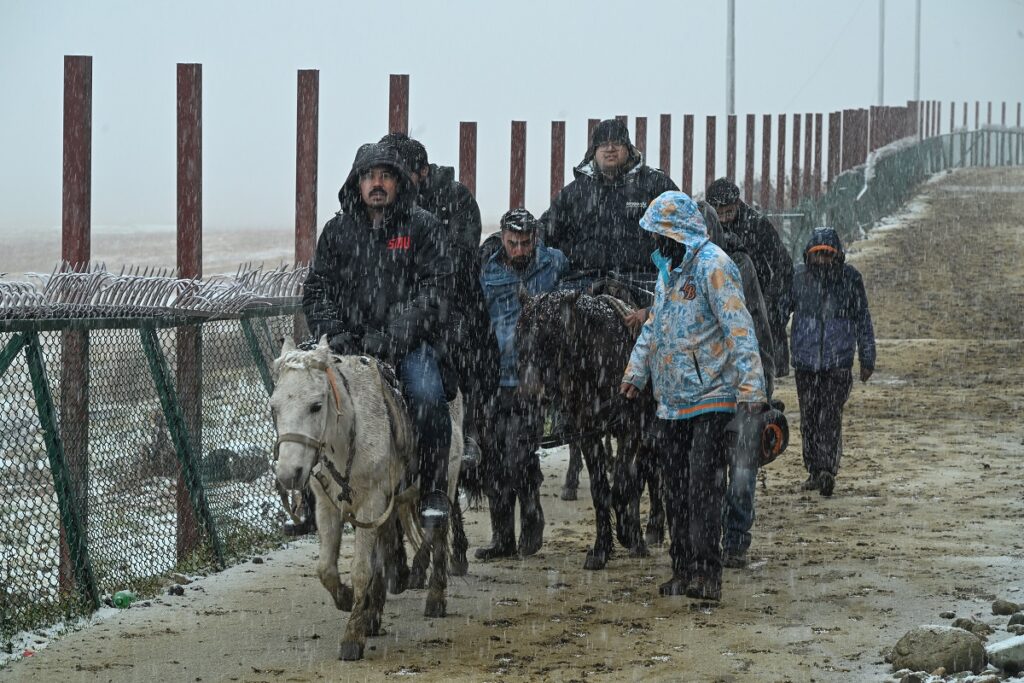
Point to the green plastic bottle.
(123, 599)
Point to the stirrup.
(471, 453)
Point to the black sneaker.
(704, 589)
(826, 483)
(734, 560)
(674, 587)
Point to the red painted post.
(730, 147)
(780, 174)
(816, 182)
(188, 340)
(467, 155)
(557, 157)
(622, 118)
(965, 115)
(849, 144)
(938, 118)
(709, 151)
(977, 115)
(640, 135)
(766, 160)
(952, 117)
(591, 125)
(307, 137)
(794, 169)
(748, 164)
(990, 112)
(835, 141)
(665, 150)
(875, 128)
(398, 104)
(687, 185)
(805, 186)
(1003, 119)
(76, 250)
(517, 172)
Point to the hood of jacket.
(676, 216)
(715, 232)
(588, 167)
(377, 154)
(827, 237)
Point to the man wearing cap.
(594, 220)
(520, 264)
(377, 287)
(755, 235)
(467, 335)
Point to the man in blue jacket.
(830, 321)
(699, 351)
(520, 264)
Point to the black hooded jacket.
(595, 221)
(453, 204)
(758, 237)
(367, 280)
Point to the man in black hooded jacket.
(595, 219)
(757, 236)
(377, 286)
(471, 344)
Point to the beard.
(521, 262)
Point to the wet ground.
(926, 518)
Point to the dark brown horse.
(572, 349)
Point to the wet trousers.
(822, 396)
(693, 455)
(738, 507)
(513, 465)
(423, 390)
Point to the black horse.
(572, 349)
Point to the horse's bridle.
(321, 462)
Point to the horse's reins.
(323, 462)
(561, 439)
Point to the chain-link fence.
(129, 448)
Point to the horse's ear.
(288, 345)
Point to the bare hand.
(865, 373)
(628, 390)
(635, 320)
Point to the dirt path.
(926, 518)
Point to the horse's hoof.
(459, 566)
(639, 550)
(373, 628)
(435, 608)
(568, 493)
(398, 581)
(344, 598)
(595, 560)
(350, 651)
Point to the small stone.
(947, 615)
(978, 628)
(176, 590)
(1016, 629)
(1016, 618)
(1007, 654)
(941, 671)
(1004, 607)
(257, 560)
(926, 648)
(916, 677)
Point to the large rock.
(1008, 654)
(927, 648)
(1005, 607)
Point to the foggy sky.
(490, 62)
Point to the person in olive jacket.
(377, 287)
(595, 219)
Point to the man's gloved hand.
(342, 344)
(865, 373)
(379, 345)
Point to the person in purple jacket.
(831, 322)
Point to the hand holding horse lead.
(628, 390)
(635, 320)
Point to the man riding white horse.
(376, 286)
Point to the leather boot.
(531, 515)
(503, 528)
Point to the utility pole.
(730, 60)
(917, 51)
(881, 52)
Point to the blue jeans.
(424, 394)
(738, 507)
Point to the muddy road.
(926, 517)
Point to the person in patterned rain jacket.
(699, 351)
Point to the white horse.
(344, 430)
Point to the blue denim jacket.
(501, 285)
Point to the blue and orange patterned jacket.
(698, 344)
